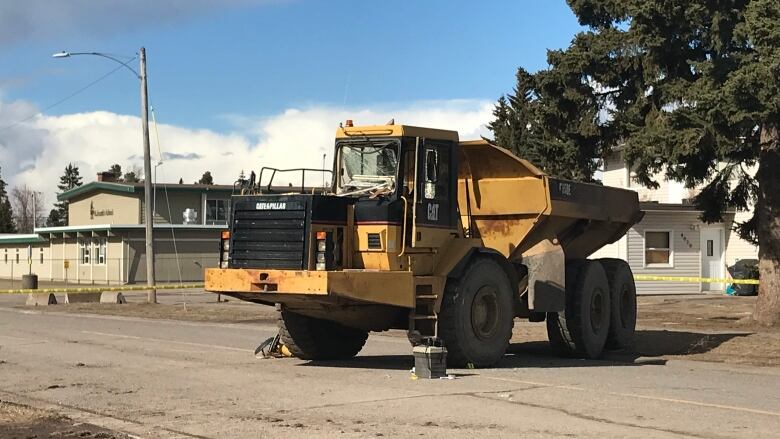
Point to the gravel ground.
(24, 422)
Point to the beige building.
(671, 240)
(103, 242)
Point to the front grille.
(374, 241)
(273, 239)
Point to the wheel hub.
(485, 313)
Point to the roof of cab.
(395, 131)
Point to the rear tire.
(581, 329)
(477, 316)
(622, 326)
(315, 339)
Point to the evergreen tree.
(688, 90)
(69, 180)
(206, 178)
(551, 119)
(7, 224)
(116, 171)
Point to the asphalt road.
(181, 379)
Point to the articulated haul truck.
(448, 240)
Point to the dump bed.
(512, 205)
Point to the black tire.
(582, 329)
(477, 315)
(622, 325)
(315, 339)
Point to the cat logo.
(433, 212)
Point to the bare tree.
(28, 208)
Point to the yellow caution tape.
(102, 289)
(638, 277)
(643, 277)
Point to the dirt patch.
(702, 328)
(713, 313)
(20, 421)
(222, 312)
(707, 328)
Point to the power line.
(64, 99)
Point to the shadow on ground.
(651, 348)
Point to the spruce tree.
(551, 119)
(69, 180)
(116, 171)
(7, 224)
(206, 178)
(689, 91)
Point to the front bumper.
(379, 287)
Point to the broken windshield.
(367, 166)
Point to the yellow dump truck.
(449, 240)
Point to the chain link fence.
(107, 271)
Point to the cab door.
(434, 195)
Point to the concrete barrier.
(42, 299)
(112, 297)
(82, 297)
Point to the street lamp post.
(148, 219)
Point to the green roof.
(95, 186)
(139, 187)
(21, 239)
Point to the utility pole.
(148, 218)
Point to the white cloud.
(36, 152)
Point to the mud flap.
(546, 265)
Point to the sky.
(240, 84)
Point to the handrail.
(403, 230)
(303, 176)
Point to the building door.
(712, 264)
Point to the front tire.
(315, 339)
(581, 329)
(477, 316)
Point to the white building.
(671, 240)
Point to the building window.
(216, 211)
(84, 251)
(99, 249)
(41, 255)
(17, 255)
(658, 249)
